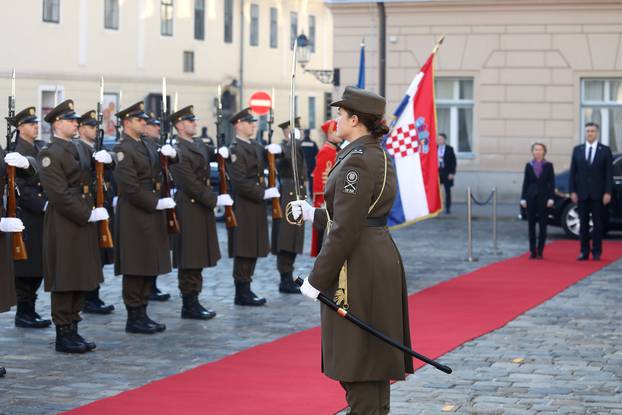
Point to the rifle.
(105, 237)
(167, 184)
(117, 126)
(230, 220)
(17, 239)
(277, 213)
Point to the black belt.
(377, 222)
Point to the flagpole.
(439, 42)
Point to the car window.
(617, 167)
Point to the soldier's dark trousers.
(285, 261)
(136, 290)
(26, 288)
(190, 281)
(66, 306)
(243, 269)
(367, 398)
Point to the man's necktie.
(589, 155)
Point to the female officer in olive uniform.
(359, 264)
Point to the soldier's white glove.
(224, 152)
(98, 214)
(297, 134)
(11, 225)
(102, 156)
(16, 160)
(224, 200)
(168, 151)
(274, 148)
(550, 203)
(165, 203)
(309, 290)
(302, 207)
(523, 203)
(271, 193)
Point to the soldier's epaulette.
(358, 150)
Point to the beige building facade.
(62, 47)
(509, 73)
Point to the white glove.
(309, 290)
(271, 193)
(224, 152)
(165, 203)
(224, 200)
(45, 207)
(115, 200)
(103, 156)
(98, 214)
(523, 203)
(302, 207)
(274, 148)
(550, 203)
(11, 225)
(168, 151)
(297, 134)
(16, 160)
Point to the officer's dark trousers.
(136, 290)
(368, 398)
(190, 281)
(26, 288)
(597, 209)
(66, 306)
(285, 261)
(447, 187)
(243, 269)
(536, 213)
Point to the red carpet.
(283, 377)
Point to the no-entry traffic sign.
(260, 102)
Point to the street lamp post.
(325, 76)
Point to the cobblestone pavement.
(570, 344)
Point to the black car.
(565, 214)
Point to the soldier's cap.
(328, 126)
(285, 124)
(63, 111)
(361, 100)
(153, 119)
(25, 116)
(134, 111)
(88, 118)
(184, 114)
(245, 115)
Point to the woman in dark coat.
(537, 197)
(359, 264)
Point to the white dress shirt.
(593, 145)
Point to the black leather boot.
(159, 327)
(89, 345)
(136, 323)
(157, 295)
(95, 305)
(244, 295)
(287, 285)
(192, 309)
(66, 342)
(2, 372)
(26, 317)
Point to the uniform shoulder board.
(358, 150)
(306, 144)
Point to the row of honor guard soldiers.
(56, 184)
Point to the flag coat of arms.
(412, 145)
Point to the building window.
(601, 102)
(312, 33)
(199, 19)
(274, 28)
(254, 25)
(166, 17)
(111, 14)
(188, 61)
(228, 21)
(293, 28)
(454, 112)
(51, 11)
(311, 113)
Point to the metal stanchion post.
(470, 257)
(495, 247)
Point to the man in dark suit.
(591, 182)
(446, 168)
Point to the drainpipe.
(382, 49)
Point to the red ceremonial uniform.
(324, 161)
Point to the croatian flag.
(412, 145)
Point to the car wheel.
(570, 221)
(219, 213)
